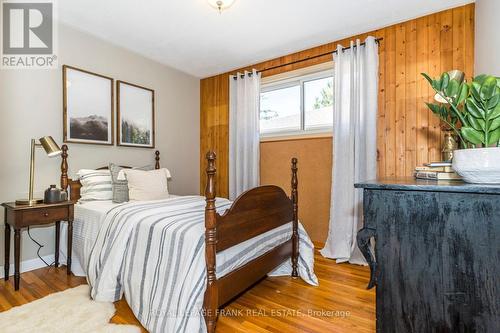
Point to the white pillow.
(147, 185)
(96, 185)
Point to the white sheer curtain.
(355, 147)
(244, 96)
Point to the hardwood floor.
(280, 304)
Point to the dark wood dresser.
(437, 250)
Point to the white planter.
(480, 165)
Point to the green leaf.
(436, 85)
(428, 78)
(435, 108)
(480, 78)
(492, 102)
(494, 124)
(495, 112)
(473, 136)
(488, 88)
(445, 79)
(443, 111)
(464, 92)
(473, 109)
(494, 137)
(477, 124)
(452, 89)
(474, 89)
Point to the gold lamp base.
(29, 202)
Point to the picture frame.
(88, 107)
(135, 115)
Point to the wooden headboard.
(75, 185)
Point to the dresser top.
(14, 206)
(412, 184)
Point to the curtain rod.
(306, 59)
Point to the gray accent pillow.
(120, 187)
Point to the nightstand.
(22, 216)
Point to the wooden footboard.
(253, 213)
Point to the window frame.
(293, 81)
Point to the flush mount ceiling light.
(220, 5)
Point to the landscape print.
(135, 133)
(94, 128)
(88, 107)
(135, 115)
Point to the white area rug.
(69, 311)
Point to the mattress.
(88, 219)
(87, 222)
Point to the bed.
(178, 260)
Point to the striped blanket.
(154, 254)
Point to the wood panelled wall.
(407, 134)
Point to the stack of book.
(436, 171)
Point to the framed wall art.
(135, 115)
(87, 107)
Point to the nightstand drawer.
(45, 215)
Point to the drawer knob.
(46, 214)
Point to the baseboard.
(28, 265)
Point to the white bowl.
(479, 165)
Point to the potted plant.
(472, 111)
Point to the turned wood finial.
(157, 159)
(294, 180)
(295, 224)
(64, 168)
(211, 170)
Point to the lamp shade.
(50, 146)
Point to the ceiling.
(191, 36)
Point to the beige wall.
(31, 107)
(487, 37)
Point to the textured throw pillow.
(96, 185)
(120, 186)
(147, 185)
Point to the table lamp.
(52, 150)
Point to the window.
(298, 105)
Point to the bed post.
(157, 159)
(64, 169)
(295, 233)
(210, 302)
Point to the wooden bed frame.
(253, 213)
